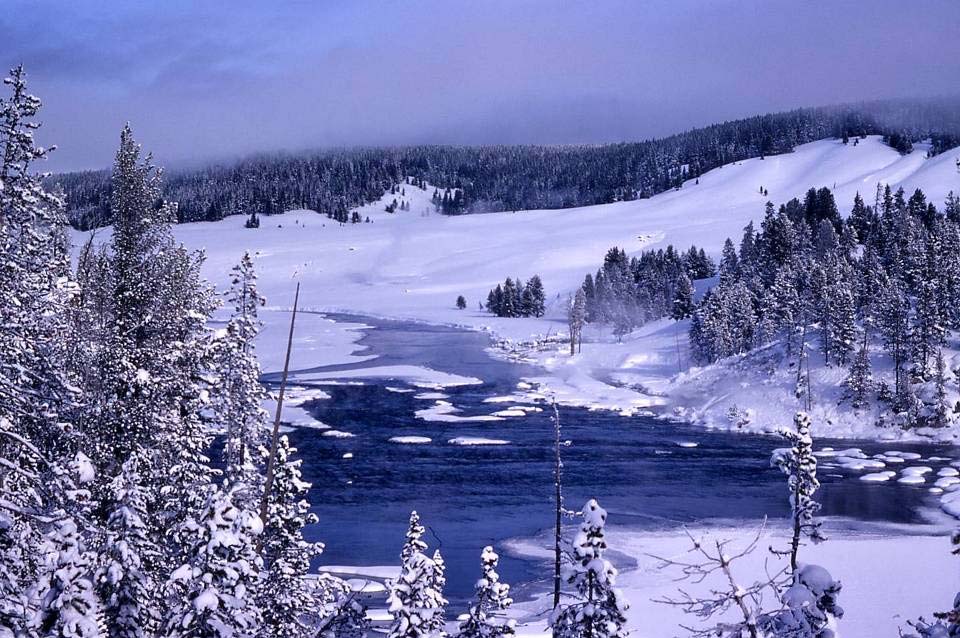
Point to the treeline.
(628, 292)
(499, 178)
(118, 517)
(516, 299)
(887, 278)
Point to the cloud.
(218, 78)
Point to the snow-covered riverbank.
(878, 595)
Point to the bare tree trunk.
(795, 541)
(558, 465)
(679, 361)
(268, 484)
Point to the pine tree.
(859, 382)
(729, 264)
(683, 305)
(599, 608)
(843, 317)
(485, 618)
(438, 580)
(285, 593)
(415, 598)
(129, 591)
(69, 607)
(800, 467)
(212, 594)
(45, 584)
(893, 324)
(511, 300)
(941, 412)
(414, 542)
(237, 397)
(537, 297)
(461, 302)
(337, 611)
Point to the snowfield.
(877, 596)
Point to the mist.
(232, 78)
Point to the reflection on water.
(473, 496)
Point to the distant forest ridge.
(515, 177)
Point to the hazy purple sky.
(206, 79)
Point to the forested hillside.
(501, 178)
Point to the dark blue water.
(473, 496)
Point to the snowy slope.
(413, 264)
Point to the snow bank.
(875, 603)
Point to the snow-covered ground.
(883, 585)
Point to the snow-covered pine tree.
(414, 542)
(485, 618)
(34, 282)
(810, 608)
(285, 594)
(237, 397)
(799, 465)
(129, 591)
(599, 608)
(536, 305)
(941, 414)
(69, 606)
(894, 314)
(729, 264)
(213, 593)
(44, 560)
(843, 320)
(337, 613)
(414, 601)
(859, 383)
(683, 305)
(511, 300)
(438, 580)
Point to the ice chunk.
(476, 440)
(410, 440)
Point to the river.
(364, 487)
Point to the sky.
(207, 80)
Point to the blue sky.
(216, 79)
